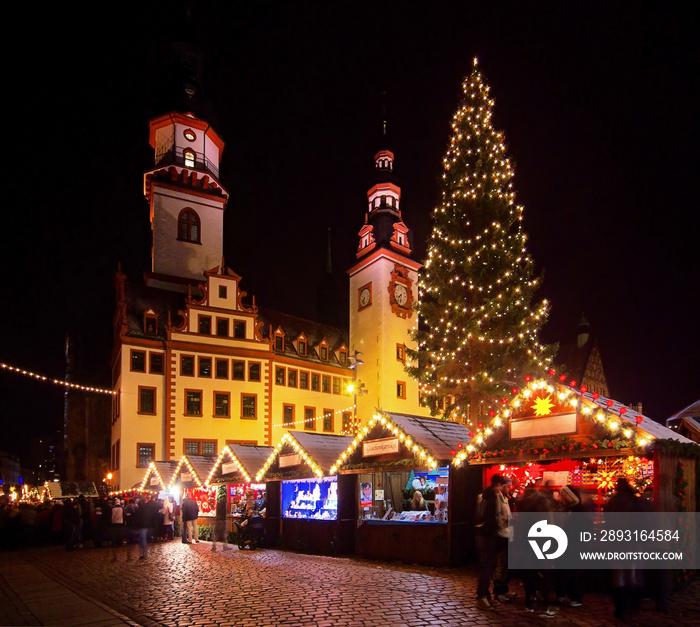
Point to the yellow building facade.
(198, 365)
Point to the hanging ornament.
(609, 402)
(595, 395)
(584, 389)
(562, 378)
(623, 411)
(573, 383)
(639, 419)
(514, 390)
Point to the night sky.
(598, 103)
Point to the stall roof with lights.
(319, 450)
(431, 441)
(249, 459)
(198, 465)
(437, 436)
(162, 470)
(562, 402)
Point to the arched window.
(188, 226)
(189, 157)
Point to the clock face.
(365, 296)
(400, 294)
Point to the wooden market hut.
(553, 423)
(158, 475)
(307, 456)
(235, 469)
(392, 454)
(190, 477)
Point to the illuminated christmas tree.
(479, 328)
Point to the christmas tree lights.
(479, 328)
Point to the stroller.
(252, 534)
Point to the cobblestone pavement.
(190, 585)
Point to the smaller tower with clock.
(383, 288)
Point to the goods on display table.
(310, 498)
(395, 491)
(237, 496)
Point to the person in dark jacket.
(626, 582)
(142, 523)
(486, 533)
(190, 512)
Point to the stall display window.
(404, 496)
(315, 499)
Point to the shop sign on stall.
(228, 467)
(383, 446)
(186, 477)
(291, 459)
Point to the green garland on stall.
(555, 446)
(401, 463)
(674, 447)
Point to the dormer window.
(279, 340)
(343, 357)
(150, 323)
(302, 348)
(323, 351)
(190, 135)
(188, 226)
(189, 157)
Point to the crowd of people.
(103, 522)
(494, 511)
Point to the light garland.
(184, 460)
(227, 451)
(325, 415)
(152, 469)
(606, 416)
(424, 455)
(67, 384)
(298, 448)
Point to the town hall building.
(197, 364)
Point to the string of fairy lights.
(613, 420)
(476, 290)
(66, 384)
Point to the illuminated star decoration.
(607, 480)
(543, 405)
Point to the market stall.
(234, 469)
(157, 477)
(395, 458)
(59, 490)
(189, 478)
(315, 510)
(551, 433)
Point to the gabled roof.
(438, 437)
(318, 450)
(249, 459)
(199, 465)
(163, 470)
(692, 411)
(628, 415)
(324, 448)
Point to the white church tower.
(187, 201)
(383, 288)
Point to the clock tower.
(383, 288)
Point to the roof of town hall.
(140, 298)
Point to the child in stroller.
(252, 533)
